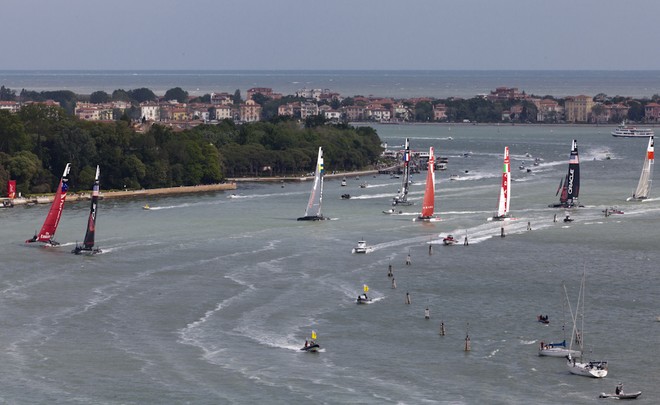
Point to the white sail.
(505, 189)
(644, 186)
(313, 210)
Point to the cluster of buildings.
(315, 102)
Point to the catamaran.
(576, 365)
(313, 210)
(402, 197)
(47, 232)
(644, 186)
(429, 194)
(88, 245)
(505, 190)
(569, 186)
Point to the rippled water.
(207, 299)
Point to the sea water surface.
(380, 83)
(206, 299)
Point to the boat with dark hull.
(313, 210)
(88, 244)
(47, 232)
(569, 186)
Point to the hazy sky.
(330, 34)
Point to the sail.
(571, 189)
(91, 222)
(429, 194)
(365, 288)
(644, 186)
(503, 206)
(49, 227)
(315, 198)
(402, 197)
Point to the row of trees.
(38, 141)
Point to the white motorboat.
(362, 247)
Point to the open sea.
(380, 83)
(206, 299)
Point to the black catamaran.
(402, 197)
(569, 186)
(88, 245)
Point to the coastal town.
(503, 105)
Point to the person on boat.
(619, 389)
(306, 343)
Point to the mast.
(429, 194)
(644, 186)
(503, 206)
(572, 183)
(313, 210)
(402, 198)
(47, 232)
(91, 222)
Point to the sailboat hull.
(85, 251)
(559, 352)
(594, 369)
(313, 218)
(426, 219)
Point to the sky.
(330, 34)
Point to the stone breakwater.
(129, 193)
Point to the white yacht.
(628, 131)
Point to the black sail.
(91, 222)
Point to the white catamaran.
(402, 197)
(644, 186)
(505, 190)
(313, 210)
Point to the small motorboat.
(568, 219)
(343, 182)
(619, 394)
(612, 210)
(345, 196)
(363, 299)
(449, 240)
(543, 319)
(362, 247)
(363, 185)
(146, 207)
(311, 347)
(392, 211)
(453, 177)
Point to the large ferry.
(627, 131)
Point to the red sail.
(53, 219)
(11, 189)
(429, 194)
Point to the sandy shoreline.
(129, 193)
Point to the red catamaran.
(428, 203)
(53, 219)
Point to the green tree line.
(38, 141)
